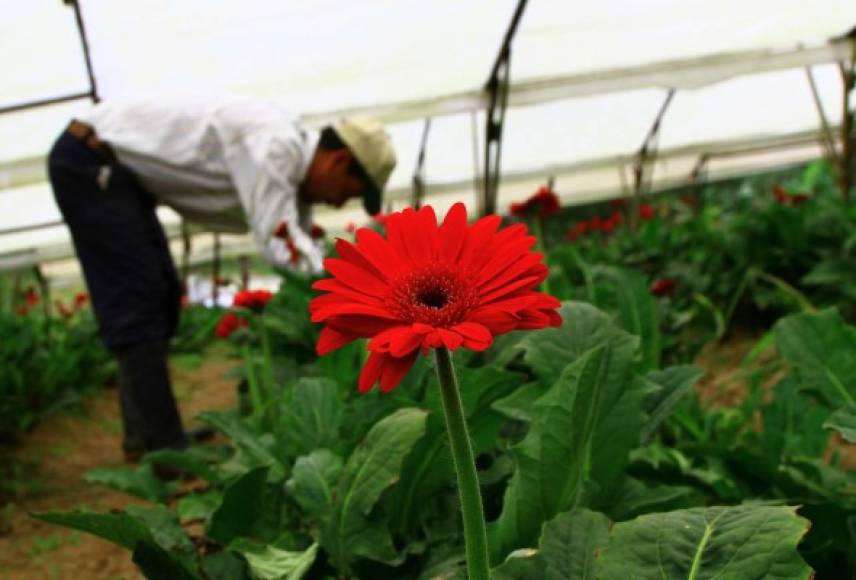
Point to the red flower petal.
(356, 277)
(330, 339)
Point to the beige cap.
(371, 145)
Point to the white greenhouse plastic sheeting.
(587, 82)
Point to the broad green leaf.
(313, 480)
(567, 549)
(520, 564)
(271, 563)
(225, 565)
(249, 444)
(633, 498)
(746, 542)
(199, 506)
(578, 443)
(243, 501)
(372, 468)
(167, 533)
(158, 564)
(429, 469)
(192, 460)
(570, 542)
(793, 423)
(139, 481)
(584, 327)
(119, 528)
(518, 405)
(844, 421)
(821, 349)
(675, 383)
(312, 417)
(637, 310)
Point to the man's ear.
(341, 158)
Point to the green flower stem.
(539, 245)
(255, 392)
(267, 365)
(475, 535)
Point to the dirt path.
(55, 455)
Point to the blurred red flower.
(663, 286)
(646, 212)
(31, 297)
(426, 286)
(542, 204)
(595, 224)
(255, 300)
(578, 230)
(228, 324)
(612, 222)
(317, 232)
(80, 300)
(350, 228)
(63, 310)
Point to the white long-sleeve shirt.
(226, 162)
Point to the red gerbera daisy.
(542, 204)
(663, 286)
(252, 299)
(317, 232)
(32, 297)
(229, 323)
(646, 212)
(427, 286)
(80, 300)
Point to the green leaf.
(157, 564)
(199, 506)
(313, 478)
(167, 533)
(253, 449)
(311, 419)
(633, 498)
(373, 467)
(120, 528)
(637, 310)
(243, 501)
(821, 349)
(518, 405)
(746, 542)
(567, 549)
(138, 481)
(570, 542)
(429, 468)
(584, 327)
(192, 460)
(522, 564)
(675, 383)
(271, 563)
(225, 565)
(578, 443)
(844, 421)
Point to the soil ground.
(53, 457)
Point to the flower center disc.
(433, 294)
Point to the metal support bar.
(81, 28)
(44, 102)
(493, 134)
(827, 139)
(215, 269)
(497, 88)
(418, 179)
(244, 262)
(847, 165)
(645, 157)
(186, 248)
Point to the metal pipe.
(43, 102)
(418, 181)
(81, 28)
(826, 138)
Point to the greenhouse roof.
(587, 81)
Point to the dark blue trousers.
(132, 282)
